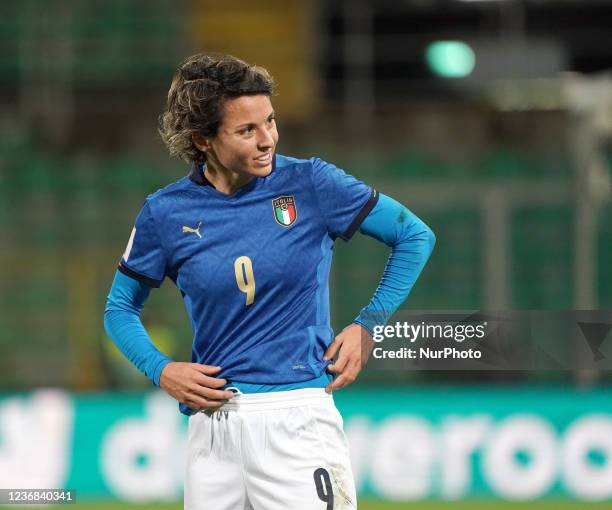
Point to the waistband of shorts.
(278, 400)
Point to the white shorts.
(270, 451)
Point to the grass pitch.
(377, 505)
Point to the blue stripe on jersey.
(319, 382)
(322, 298)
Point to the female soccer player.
(247, 238)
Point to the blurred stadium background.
(491, 119)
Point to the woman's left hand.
(353, 345)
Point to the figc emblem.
(284, 209)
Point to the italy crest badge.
(285, 211)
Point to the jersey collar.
(198, 176)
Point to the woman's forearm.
(122, 323)
(411, 243)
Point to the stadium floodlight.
(450, 59)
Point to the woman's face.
(246, 137)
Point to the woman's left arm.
(411, 243)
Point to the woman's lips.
(264, 160)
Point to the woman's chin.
(261, 171)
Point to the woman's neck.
(224, 180)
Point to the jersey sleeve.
(144, 258)
(343, 200)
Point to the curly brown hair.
(199, 88)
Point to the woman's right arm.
(192, 384)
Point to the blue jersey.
(252, 267)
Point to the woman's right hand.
(194, 385)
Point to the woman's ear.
(200, 142)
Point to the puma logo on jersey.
(196, 231)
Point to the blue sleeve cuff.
(368, 319)
(159, 369)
